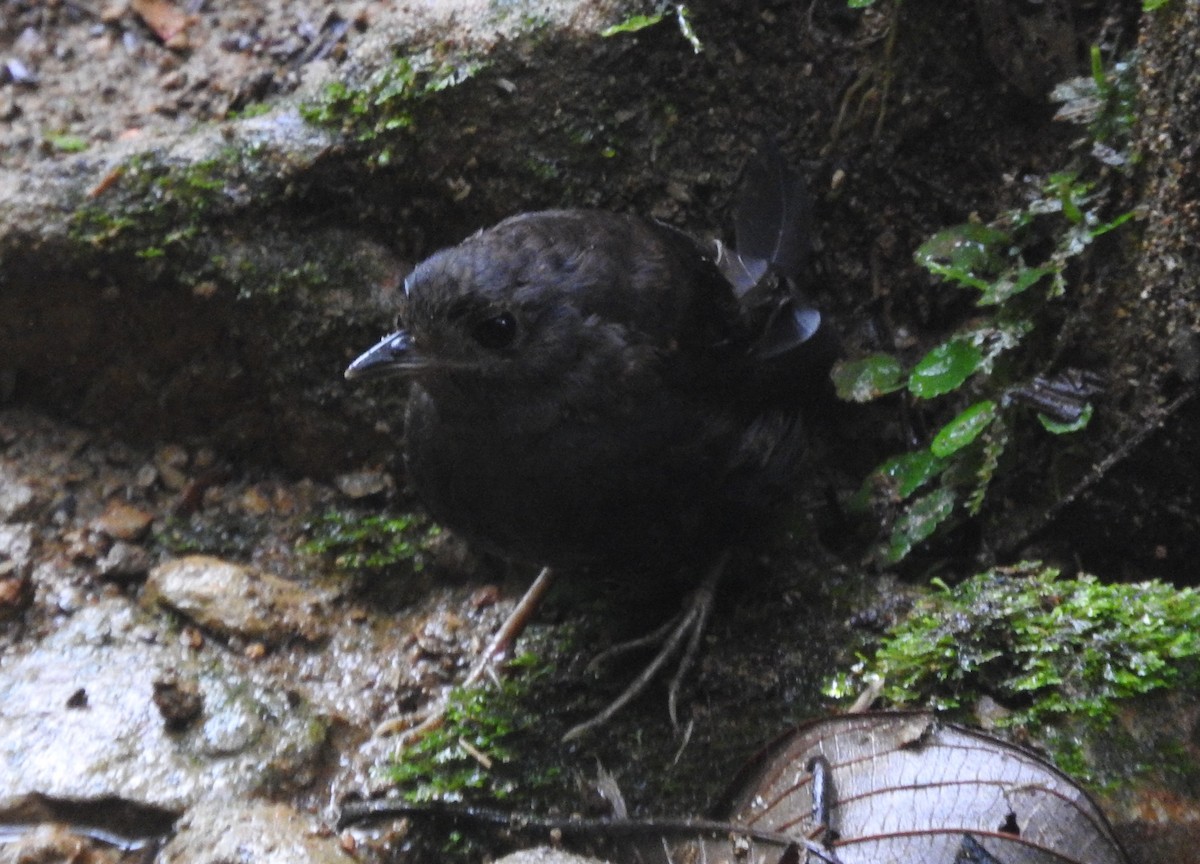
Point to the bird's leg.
(497, 648)
(689, 623)
(514, 625)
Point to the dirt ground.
(77, 73)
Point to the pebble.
(171, 461)
(16, 498)
(124, 561)
(123, 521)
(146, 476)
(178, 700)
(235, 600)
(363, 484)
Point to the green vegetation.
(1039, 645)
(472, 756)
(634, 23)
(170, 204)
(67, 143)
(1016, 266)
(1059, 656)
(371, 544)
(385, 104)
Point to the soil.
(78, 73)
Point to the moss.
(1042, 645)
(383, 106)
(153, 208)
(473, 756)
(362, 544)
(67, 143)
(1055, 654)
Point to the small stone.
(15, 594)
(234, 600)
(179, 702)
(16, 545)
(363, 484)
(83, 545)
(16, 498)
(205, 290)
(172, 462)
(145, 477)
(171, 456)
(122, 521)
(78, 700)
(255, 503)
(124, 561)
(172, 478)
(113, 12)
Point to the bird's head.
(513, 306)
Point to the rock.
(252, 737)
(234, 600)
(16, 546)
(171, 461)
(221, 831)
(178, 700)
(54, 841)
(122, 521)
(364, 484)
(546, 855)
(124, 561)
(16, 498)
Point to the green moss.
(370, 544)
(67, 143)
(254, 109)
(385, 104)
(149, 198)
(473, 755)
(1046, 649)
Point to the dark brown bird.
(595, 390)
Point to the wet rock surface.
(217, 831)
(191, 678)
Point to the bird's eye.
(497, 332)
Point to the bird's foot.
(688, 625)
(498, 648)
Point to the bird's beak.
(395, 355)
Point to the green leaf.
(867, 378)
(1058, 428)
(944, 368)
(963, 429)
(67, 143)
(967, 254)
(1115, 223)
(910, 471)
(633, 24)
(1012, 283)
(921, 519)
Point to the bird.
(598, 392)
